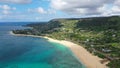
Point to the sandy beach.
(89, 60)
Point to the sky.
(45, 10)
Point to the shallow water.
(30, 52)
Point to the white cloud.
(38, 18)
(87, 7)
(41, 10)
(117, 3)
(115, 9)
(19, 17)
(6, 9)
(67, 4)
(1, 17)
(6, 12)
(51, 11)
(14, 8)
(45, 0)
(16, 1)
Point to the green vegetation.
(99, 35)
(114, 64)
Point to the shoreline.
(89, 60)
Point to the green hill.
(99, 35)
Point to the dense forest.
(99, 35)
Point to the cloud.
(6, 9)
(6, 12)
(86, 7)
(115, 10)
(45, 0)
(51, 11)
(117, 2)
(16, 1)
(1, 17)
(20, 17)
(41, 10)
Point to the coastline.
(89, 60)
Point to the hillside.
(99, 35)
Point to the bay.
(31, 52)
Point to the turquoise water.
(30, 52)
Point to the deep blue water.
(30, 52)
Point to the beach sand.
(89, 60)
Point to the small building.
(106, 50)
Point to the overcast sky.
(44, 10)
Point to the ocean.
(31, 52)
